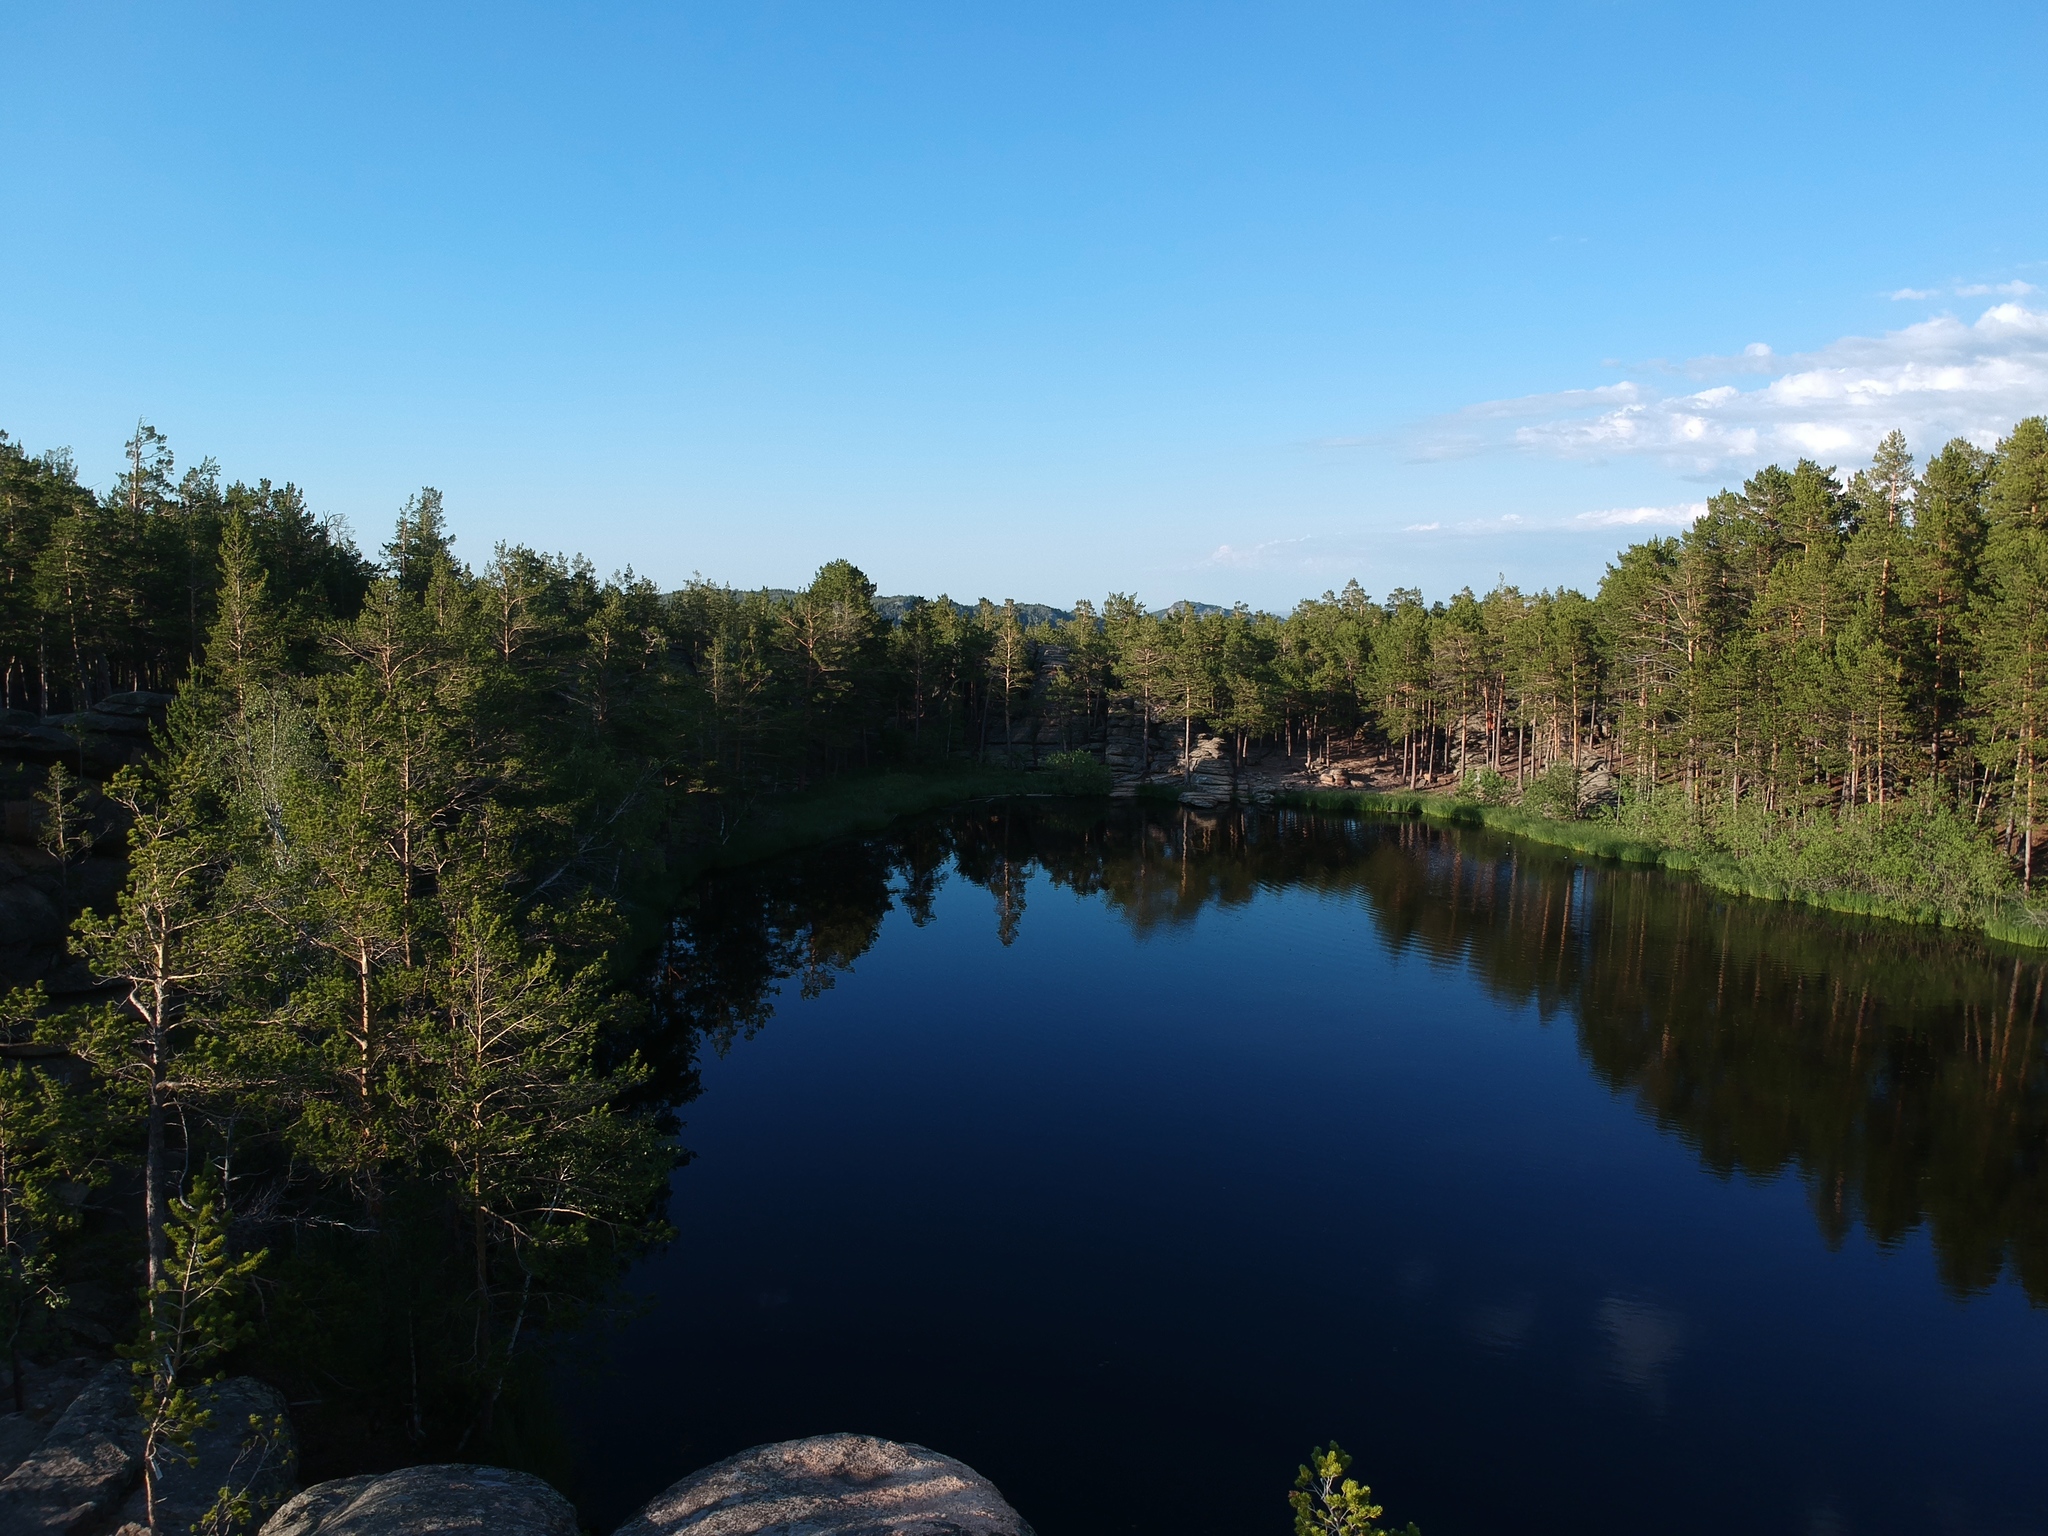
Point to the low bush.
(1486, 787)
(1554, 794)
(1078, 773)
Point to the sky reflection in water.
(1126, 1156)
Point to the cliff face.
(1172, 756)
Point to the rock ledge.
(428, 1501)
(831, 1485)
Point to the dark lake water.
(1126, 1155)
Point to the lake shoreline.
(1593, 839)
(770, 826)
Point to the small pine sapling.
(66, 831)
(1325, 1506)
(264, 1465)
(189, 1323)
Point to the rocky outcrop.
(84, 1474)
(830, 1485)
(84, 1466)
(95, 741)
(82, 1477)
(428, 1501)
(31, 927)
(1164, 755)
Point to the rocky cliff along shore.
(73, 1467)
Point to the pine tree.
(46, 1143)
(66, 832)
(189, 1322)
(541, 1165)
(169, 944)
(1327, 1503)
(2010, 681)
(245, 650)
(1010, 665)
(2019, 482)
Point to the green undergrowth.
(1910, 865)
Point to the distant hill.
(893, 608)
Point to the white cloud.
(2012, 290)
(1259, 554)
(1515, 522)
(1914, 293)
(1682, 516)
(1941, 378)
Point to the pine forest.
(361, 994)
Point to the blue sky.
(1192, 300)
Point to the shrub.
(1554, 794)
(1077, 773)
(1487, 787)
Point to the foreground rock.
(829, 1485)
(248, 1449)
(427, 1501)
(85, 1473)
(84, 1466)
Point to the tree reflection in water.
(1898, 1070)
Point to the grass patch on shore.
(1930, 868)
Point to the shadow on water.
(1893, 1074)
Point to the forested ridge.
(1810, 643)
(364, 1001)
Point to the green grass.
(1837, 874)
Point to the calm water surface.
(1127, 1155)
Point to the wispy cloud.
(1941, 378)
(1681, 516)
(2016, 289)
(1260, 554)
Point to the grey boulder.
(829, 1485)
(83, 1466)
(428, 1501)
